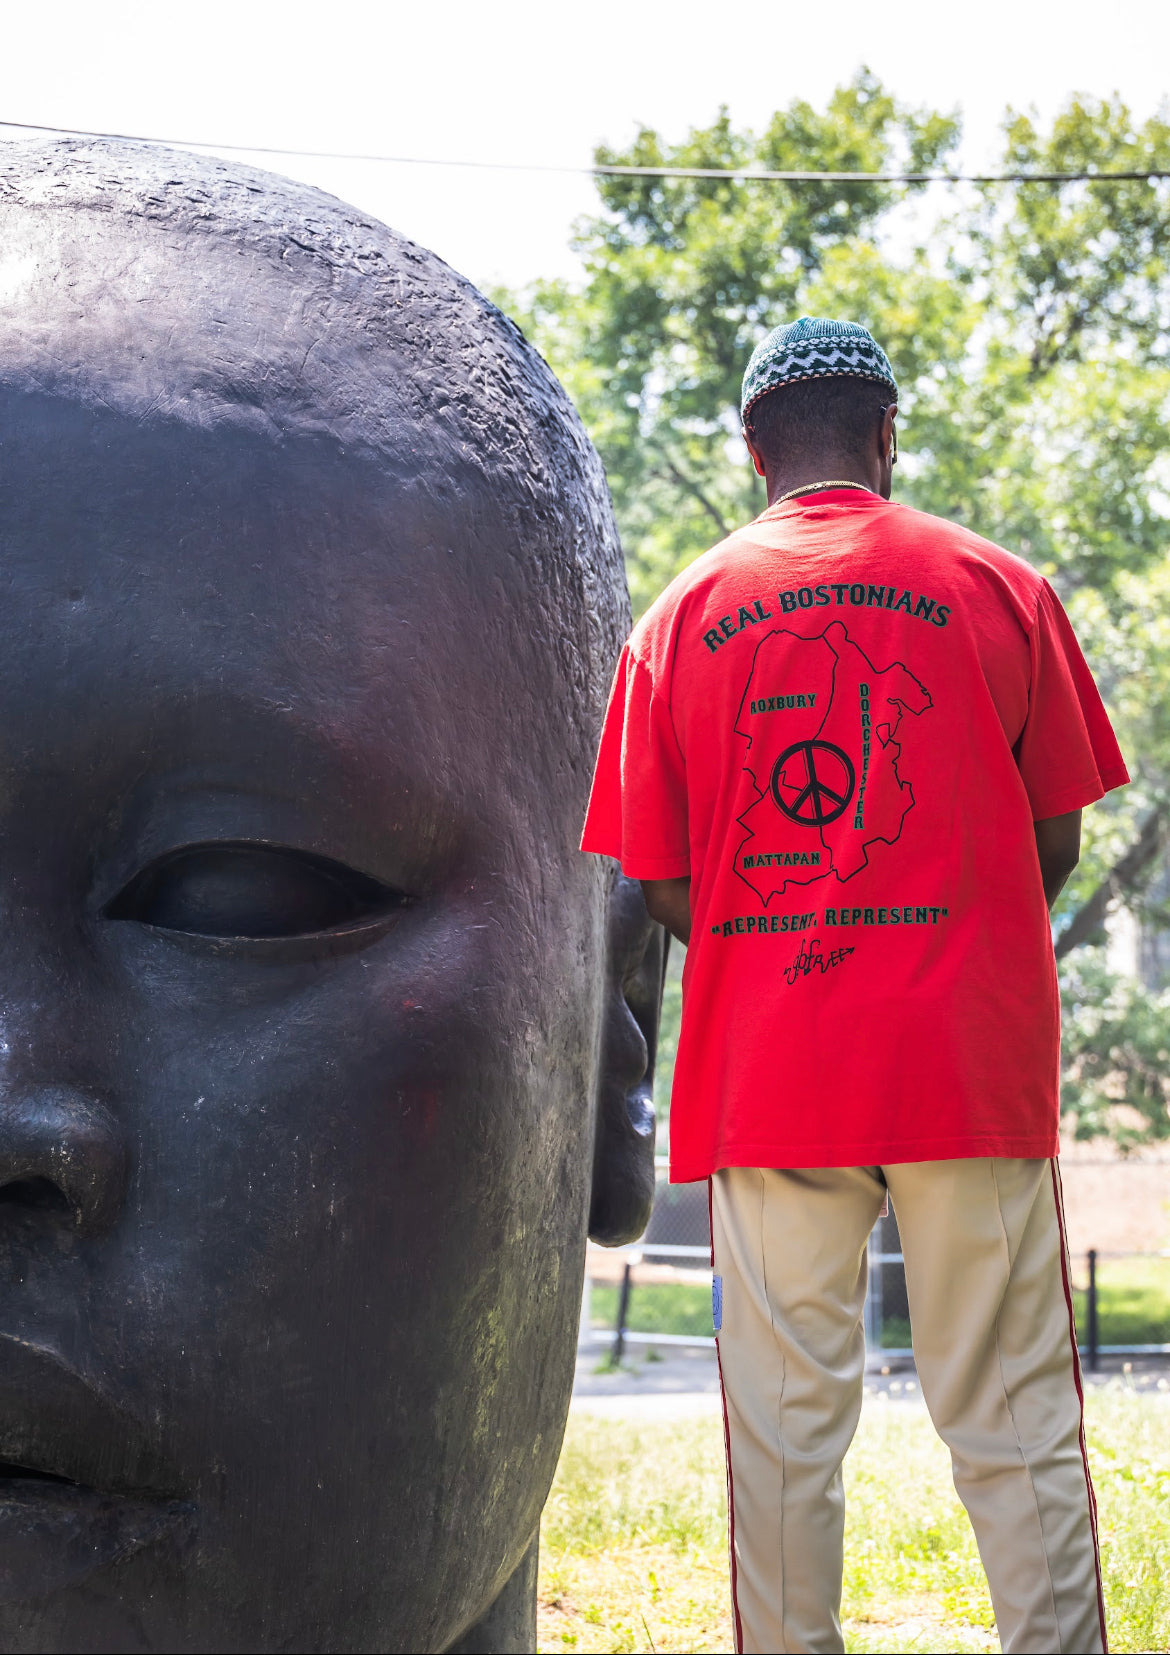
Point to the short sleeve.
(1067, 754)
(638, 807)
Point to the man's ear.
(756, 456)
(623, 1155)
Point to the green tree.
(682, 278)
(1051, 440)
(1116, 1054)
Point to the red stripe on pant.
(726, 1451)
(730, 1512)
(1058, 1197)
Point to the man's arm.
(1058, 845)
(669, 902)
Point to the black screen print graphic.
(813, 782)
(821, 725)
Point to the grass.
(633, 1546)
(666, 1307)
(1133, 1306)
(634, 1543)
(1133, 1302)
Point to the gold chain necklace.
(817, 488)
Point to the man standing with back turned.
(846, 753)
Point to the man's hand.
(669, 902)
(1058, 845)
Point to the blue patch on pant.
(717, 1301)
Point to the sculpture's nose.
(61, 1151)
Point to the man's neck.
(833, 468)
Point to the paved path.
(683, 1383)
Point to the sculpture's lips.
(81, 1484)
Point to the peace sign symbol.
(812, 782)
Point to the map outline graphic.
(884, 728)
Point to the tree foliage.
(1116, 1053)
(682, 278)
(1029, 325)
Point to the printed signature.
(809, 958)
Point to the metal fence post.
(1092, 1310)
(619, 1332)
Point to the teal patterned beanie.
(814, 347)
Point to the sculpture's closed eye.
(232, 889)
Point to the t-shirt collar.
(823, 497)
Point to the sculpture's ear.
(623, 1159)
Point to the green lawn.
(1133, 1302)
(665, 1307)
(1133, 1306)
(634, 1544)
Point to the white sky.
(534, 80)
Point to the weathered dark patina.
(313, 1023)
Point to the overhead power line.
(746, 175)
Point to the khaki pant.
(988, 1285)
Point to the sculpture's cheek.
(329, 1273)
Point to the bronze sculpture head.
(319, 1042)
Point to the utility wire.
(732, 174)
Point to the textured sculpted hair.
(810, 417)
(299, 315)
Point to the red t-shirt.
(842, 723)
